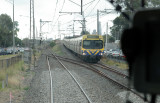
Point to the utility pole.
(82, 13)
(13, 31)
(73, 29)
(84, 21)
(30, 49)
(81, 7)
(98, 12)
(42, 23)
(59, 35)
(34, 56)
(97, 21)
(106, 35)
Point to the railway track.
(97, 65)
(91, 67)
(50, 74)
(78, 84)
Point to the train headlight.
(101, 53)
(83, 53)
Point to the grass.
(7, 56)
(57, 49)
(114, 63)
(15, 75)
(26, 88)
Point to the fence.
(5, 63)
(117, 59)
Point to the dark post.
(81, 7)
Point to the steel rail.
(87, 97)
(101, 66)
(104, 75)
(51, 101)
(110, 69)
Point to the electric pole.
(59, 35)
(13, 31)
(98, 12)
(97, 21)
(82, 13)
(106, 35)
(73, 29)
(42, 23)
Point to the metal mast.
(13, 31)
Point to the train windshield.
(93, 44)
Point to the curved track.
(89, 66)
(82, 90)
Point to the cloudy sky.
(48, 10)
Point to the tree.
(18, 41)
(85, 33)
(120, 23)
(6, 30)
(25, 42)
(109, 38)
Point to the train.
(89, 48)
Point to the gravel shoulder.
(40, 85)
(65, 89)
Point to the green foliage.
(109, 38)
(120, 23)
(6, 30)
(155, 3)
(26, 88)
(52, 44)
(25, 42)
(18, 41)
(85, 33)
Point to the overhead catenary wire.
(89, 5)
(93, 8)
(89, 2)
(58, 16)
(55, 11)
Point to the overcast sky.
(48, 10)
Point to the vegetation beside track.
(109, 62)
(58, 50)
(7, 56)
(19, 77)
(15, 75)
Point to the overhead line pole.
(33, 34)
(97, 22)
(30, 55)
(13, 31)
(42, 23)
(81, 7)
(98, 11)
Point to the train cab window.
(93, 44)
(79, 43)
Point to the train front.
(92, 48)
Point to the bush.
(52, 44)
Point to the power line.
(89, 2)
(62, 5)
(93, 8)
(55, 11)
(89, 5)
(58, 16)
